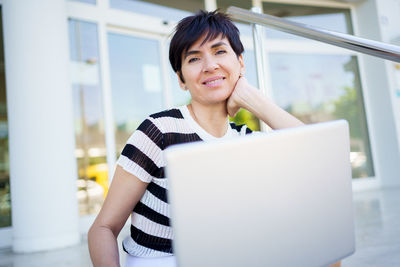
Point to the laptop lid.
(277, 199)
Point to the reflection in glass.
(166, 10)
(5, 199)
(136, 82)
(88, 116)
(333, 19)
(304, 86)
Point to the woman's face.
(211, 70)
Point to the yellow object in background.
(100, 174)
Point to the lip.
(213, 81)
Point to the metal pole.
(260, 61)
(366, 46)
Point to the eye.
(220, 52)
(193, 59)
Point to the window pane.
(304, 86)
(180, 97)
(168, 10)
(136, 82)
(5, 199)
(334, 19)
(88, 116)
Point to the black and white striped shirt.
(142, 156)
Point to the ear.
(181, 84)
(242, 66)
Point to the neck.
(212, 118)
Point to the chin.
(222, 96)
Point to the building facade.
(78, 77)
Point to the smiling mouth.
(214, 81)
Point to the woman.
(206, 53)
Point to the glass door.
(318, 82)
(138, 81)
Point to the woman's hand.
(250, 98)
(237, 99)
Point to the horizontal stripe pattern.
(173, 125)
(172, 113)
(131, 247)
(151, 241)
(142, 142)
(158, 191)
(141, 159)
(179, 138)
(152, 131)
(129, 166)
(151, 233)
(150, 228)
(155, 203)
(150, 214)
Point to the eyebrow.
(192, 52)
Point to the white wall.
(40, 117)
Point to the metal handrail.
(366, 46)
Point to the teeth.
(212, 82)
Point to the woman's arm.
(125, 192)
(248, 97)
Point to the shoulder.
(157, 121)
(169, 113)
(242, 129)
(157, 124)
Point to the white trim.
(262, 64)
(81, 11)
(210, 5)
(257, 3)
(319, 3)
(167, 90)
(368, 117)
(366, 97)
(135, 33)
(118, 18)
(162, 47)
(6, 237)
(107, 101)
(102, 4)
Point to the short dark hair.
(191, 28)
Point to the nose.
(210, 64)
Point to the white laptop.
(277, 199)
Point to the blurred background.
(77, 78)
